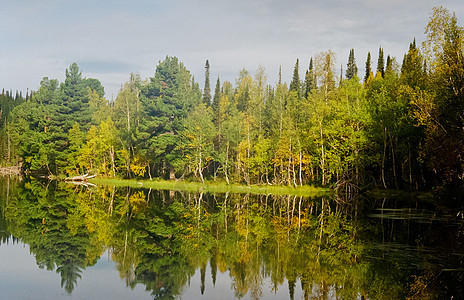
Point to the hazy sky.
(111, 39)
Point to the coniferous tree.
(166, 99)
(368, 67)
(351, 67)
(207, 89)
(307, 84)
(381, 63)
(295, 84)
(310, 79)
(216, 100)
(389, 66)
(412, 72)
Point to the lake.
(58, 240)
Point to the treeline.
(400, 126)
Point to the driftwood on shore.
(14, 170)
(82, 183)
(80, 178)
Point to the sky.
(110, 39)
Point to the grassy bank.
(214, 187)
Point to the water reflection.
(311, 248)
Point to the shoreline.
(214, 187)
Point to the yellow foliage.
(137, 201)
(138, 167)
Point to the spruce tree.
(310, 79)
(295, 84)
(381, 63)
(389, 67)
(307, 84)
(351, 67)
(412, 69)
(207, 90)
(368, 67)
(312, 75)
(216, 98)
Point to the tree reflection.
(41, 215)
(317, 247)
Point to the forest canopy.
(398, 125)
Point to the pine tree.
(381, 63)
(368, 67)
(295, 84)
(351, 67)
(207, 90)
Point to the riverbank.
(215, 187)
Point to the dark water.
(64, 241)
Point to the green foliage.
(207, 90)
(166, 101)
(381, 63)
(368, 72)
(196, 145)
(391, 131)
(295, 84)
(351, 67)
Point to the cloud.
(111, 39)
(105, 66)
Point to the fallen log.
(84, 177)
(14, 170)
(82, 183)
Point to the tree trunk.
(409, 163)
(172, 174)
(8, 157)
(149, 171)
(113, 165)
(289, 162)
(200, 169)
(322, 155)
(300, 171)
(394, 161)
(299, 213)
(383, 156)
(248, 153)
(227, 161)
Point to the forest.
(398, 126)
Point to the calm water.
(61, 241)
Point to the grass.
(214, 187)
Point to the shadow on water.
(307, 247)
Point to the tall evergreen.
(310, 79)
(389, 66)
(412, 71)
(216, 98)
(351, 67)
(381, 63)
(207, 89)
(295, 84)
(307, 84)
(368, 67)
(166, 99)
